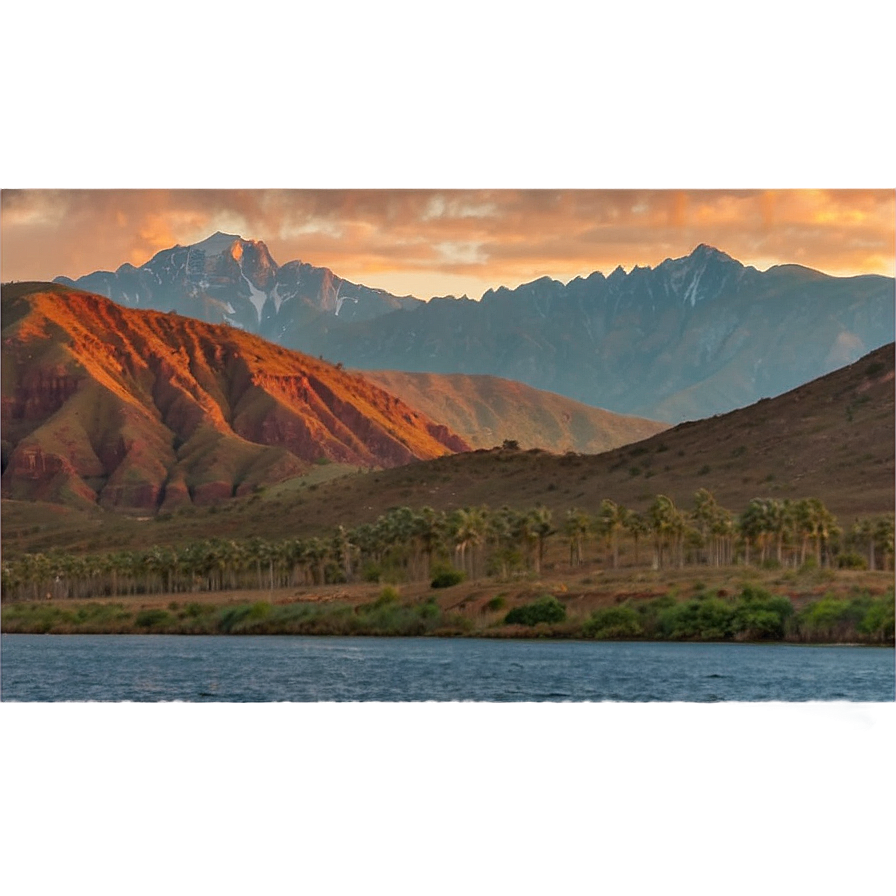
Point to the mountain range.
(133, 408)
(692, 337)
(141, 409)
(830, 439)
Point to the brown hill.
(488, 410)
(140, 409)
(832, 439)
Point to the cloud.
(476, 237)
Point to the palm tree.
(636, 526)
(824, 526)
(317, 551)
(576, 527)
(503, 536)
(541, 525)
(754, 527)
(864, 530)
(469, 527)
(429, 531)
(883, 538)
(343, 549)
(610, 519)
(667, 525)
(803, 525)
(258, 551)
(703, 515)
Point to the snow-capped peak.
(218, 243)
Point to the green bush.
(878, 621)
(372, 572)
(851, 560)
(709, 619)
(545, 609)
(445, 577)
(388, 595)
(229, 618)
(386, 616)
(152, 618)
(496, 603)
(614, 622)
(759, 615)
(830, 619)
(259, 610)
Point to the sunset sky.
(590, 96)
(439, 242)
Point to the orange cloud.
(438, 239)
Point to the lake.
(274, 765)
(244, 669)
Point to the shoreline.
(445, 636)
(722, 608)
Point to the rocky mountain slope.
(830, 439)
(487, 411)
(692, 337)
(139, 409)
(226, 279)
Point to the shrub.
(613, 622)
(709, 619)
(496, 603)
(152, 618)
(259, 610)
(388, 595)
(663, 602)
(372, 572)
(760, 615)
(230, 619)
(851, 560)
(445, 577)
(386, 616)
(830, 619)
(878, 621)
(545, 609)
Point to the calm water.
(261, 669)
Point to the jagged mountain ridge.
(138, 409)
(692, 337)
(226, 279)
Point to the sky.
(428, 242)
(450, 154)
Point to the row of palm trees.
(404, 544)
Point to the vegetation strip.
(404, 545)
(753, 615)
(435, 551)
